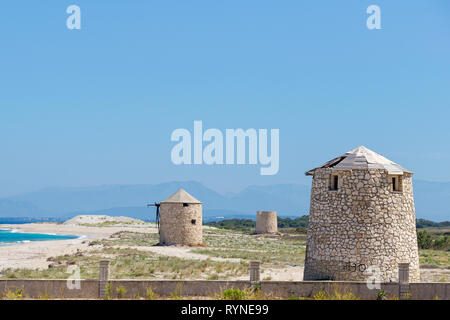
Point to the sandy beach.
(34, 255)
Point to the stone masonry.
(266, 222)
(362, 228)
(181, 220)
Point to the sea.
(12, 236)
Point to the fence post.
(403, 279)
(254, 272)
(103, 278)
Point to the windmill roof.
(181, 196)
(362, 158)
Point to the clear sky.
(98, 105)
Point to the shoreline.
(34, 254)
(16, 230)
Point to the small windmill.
(157, 205)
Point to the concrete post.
(103, 278)
(403, 279)
(254, 271)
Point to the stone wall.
(266, 222)
(181, 224)
(55, 289)
(361, 228)
(89, 289)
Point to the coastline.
(34, 254)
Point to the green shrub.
(108, 291)
(150, 294)
(234, 294)
(424, 240)
(121, 292)
(176, 295)
(337, 295)
(381, 295)
(321, 295)
(14, 294)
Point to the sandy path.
(179, 252)
(288, 273)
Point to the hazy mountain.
(63, 201)
(131, 200)
(20, 209)
(286, 199)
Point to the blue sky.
(98, 105)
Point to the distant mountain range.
(289, 200)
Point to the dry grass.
(439, 258)
(277, 251)
(131, 264)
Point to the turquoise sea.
(9, 237)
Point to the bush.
(321, 295)
(442, 243)
(108, 291)
(424, 240)
(336, 295)
(14, 295)
(121, 292)
(381, 295)
(234, 294)
(150, 294)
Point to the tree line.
(425, 240)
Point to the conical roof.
(362, 158)
(181, 196)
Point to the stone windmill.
(266, 222)
(180, 220)
(362, 219)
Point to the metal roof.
(181, 196)
(362, 158)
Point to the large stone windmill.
(361, 218)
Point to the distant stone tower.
(361, 218)
(266, 222)
(181, 220)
